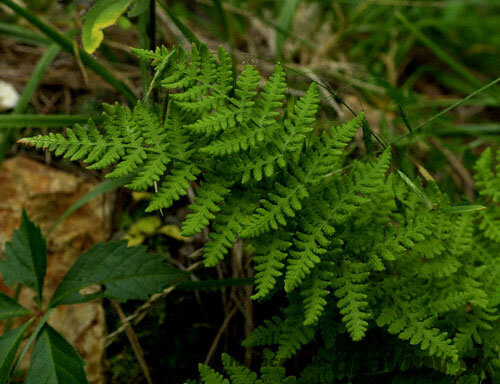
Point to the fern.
(241, 375)
(269, 262)
(353, 298)
(205, 205)
(370, 260)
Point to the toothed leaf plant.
(385, 280)
(118, 272)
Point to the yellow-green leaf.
(103, 14)
(173, 231)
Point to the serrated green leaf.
(10, 308)
(126, 273)
(55, 361)
(103, 14)
(26, 257)
(9, 343)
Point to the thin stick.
(222, 328)
(137, 316)
(134, 342)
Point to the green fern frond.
(347, 243)
(487, 182)
(173, 187)
(214, 123)
(270, 100)
(267, 334)
(153, 57)
(325, 156)
(272, 212)
(294, 334)
(255, 165)
(409, 324)
(236, 372)
(309, 244)
(183, 74)
(226, 227)
(269, 261)
(210, 193)
(315, 292)
(350, 193)
(275, 375)
(301, 121)
(351, 290)
(210, 376)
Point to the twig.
(136, 346)
(137, 316)
(222, 328)
(141, 312)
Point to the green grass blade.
(416, 189)
(284, 20)
(27, 94)
(440, 53)
(67, 45)
(23, 34)
(225, 23)
(99, 190)
(35, 78)
(446, 110)
(228, 34)
(40, 121)
(465, 208)
(188, 34)
(243, 12)
(479, 129)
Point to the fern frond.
(153, 57)
(409, 324)
(294, 333)
(270, 100)
(221, 120)
(351, 289)
(231, 142)
(173, 187)
(210, 376)
(269, 261)
(236, 372)
(240, 112)
(325, 156)
(255, 165)
(210, 193)
(301, 121)
(315, 291)
(309, 244)
(275, 375)
(273, 211)
(267, 334)
(487, 182)
(349, 194)
(245, 92)
(183, 74)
